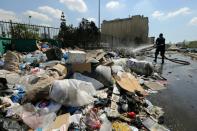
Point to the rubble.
(61, 89)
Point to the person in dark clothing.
(160, 47)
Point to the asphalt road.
(179, 100)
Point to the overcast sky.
(177, 19)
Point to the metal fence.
(43, 32)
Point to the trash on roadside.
(54, 89)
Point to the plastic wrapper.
(48, 106)
(92, 121)
(18, 94)
(71, 92)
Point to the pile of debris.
(60, 89)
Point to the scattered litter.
(55, 89)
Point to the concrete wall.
(125, 31)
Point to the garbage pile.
(60, 89)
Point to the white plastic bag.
(103, 74)
(97, 85)
(72, 92)
(106, 124)
(140, 67)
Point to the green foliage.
(21, 31)
(85, 35)
(192, 44)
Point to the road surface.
(179, 100)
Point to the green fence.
(23, 45)
(5, 44)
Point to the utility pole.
(99, 15)
(29, 19)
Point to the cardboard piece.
(61, 123)
(128, 82)
(151, 125)
(154, 85)
(100, 56)
(62, 70)
(83, 67)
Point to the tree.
(86, 34)
(89, 32)
(66, 33)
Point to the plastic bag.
(71, 92)
(95, 83)
(106, 124)
(18, 94)
(103, 74)
(33, 118)
(140, 67)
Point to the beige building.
(133, 30)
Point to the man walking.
(160, 47)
